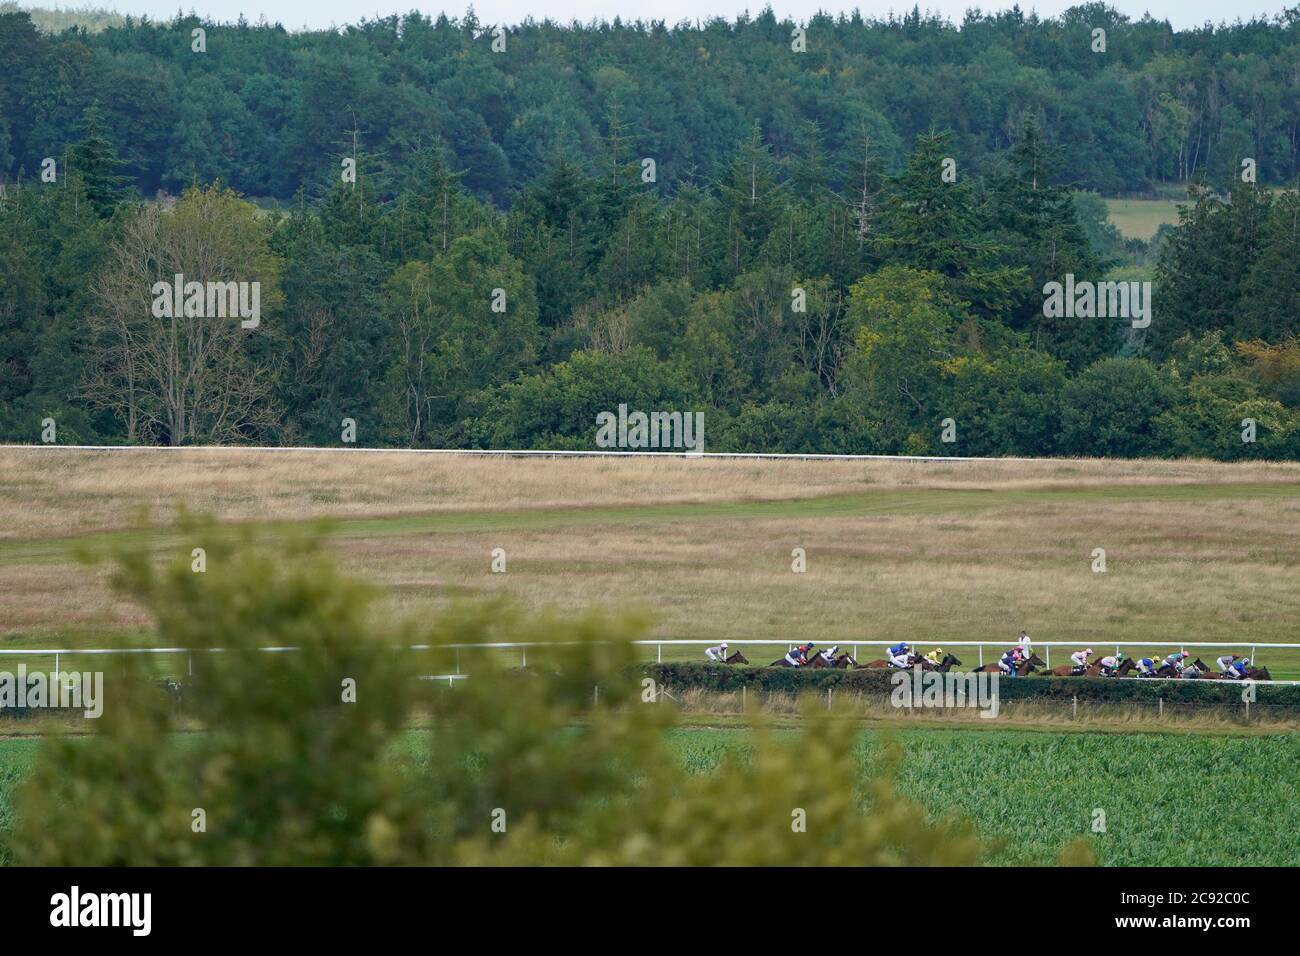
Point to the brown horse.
(737, 658)
(1023, 669)
(844, 662)
(1068, 670)
(945, 665)
(1123, 669)
(784, 663)
(1252, 673)
(911, 661)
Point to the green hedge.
(719, 677)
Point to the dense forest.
(832, 237)
(266, 111)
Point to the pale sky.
(321, 13)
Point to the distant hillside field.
(928, 552)
(1140, 218)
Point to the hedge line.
(719, 677)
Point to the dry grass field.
(1195, 551)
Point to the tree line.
(267, 111)
(803, 302)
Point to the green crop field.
(1168, 799)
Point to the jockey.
(1110, 664)
(1146, 667)
(795, 656)
(718, 653)
(1010, 661)
(900, 655)
(1081, 658)
(935, 657)
(1238, 669)
(1175, 661)
(828, 655)
(1225, 662)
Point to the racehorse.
(1070, 670)
(737, 658)
(1023, 669)
(784, 663)
(945, 665)
(1123, 668)
(1252, 673)
(844, 662)
(911, 660)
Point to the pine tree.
(752, 197)
(93, 164)
(927, 222)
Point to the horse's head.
(951, 660)
(1034, 660)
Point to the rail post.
(56, 664)
(659, 651)
(1074, 707)
(524, 651)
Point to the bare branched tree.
(178, 377)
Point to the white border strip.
(543, 453)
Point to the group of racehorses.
(1031, 665)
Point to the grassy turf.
(1168, 800)
(1187, 801)
(1140, 218)
(933, 553)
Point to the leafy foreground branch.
(520, 767)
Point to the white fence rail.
(659, 645)
(529, 452)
